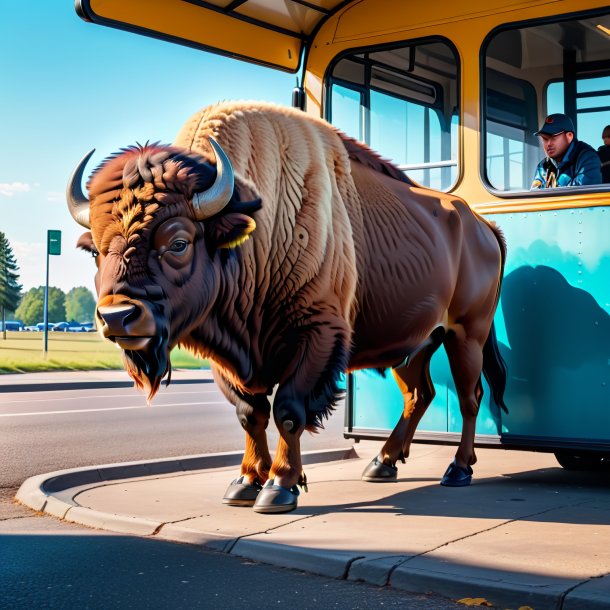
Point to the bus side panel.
(553, 328)
(553, 323)
(376, 404)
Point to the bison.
(288, 253)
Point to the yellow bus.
(453, 93)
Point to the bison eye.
(179, 246)
(94, 253)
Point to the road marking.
(175, 404)
(89, 397)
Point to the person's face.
(606, 139)
(556, 146)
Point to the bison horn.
(78, 204)
(214, 199)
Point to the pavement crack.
(15, 517)
(230, 546)
(269, 530)
(162, 525)
(277, 527)
(483, 531)
(569, 590)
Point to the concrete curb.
(592, 595)
(426, 575)
(458, 581)
(332, 564)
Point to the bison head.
(158, 216)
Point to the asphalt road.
(46, 563)
(58, 565)
(51, 430)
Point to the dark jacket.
(580, 166)
(604, 156)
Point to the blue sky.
(69, 86)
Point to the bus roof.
(268, 32)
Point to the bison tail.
(494, 369)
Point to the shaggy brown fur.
(348, 265)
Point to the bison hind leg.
(417, 390)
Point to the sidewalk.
(526, 533)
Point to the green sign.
(54, 242)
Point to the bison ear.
(85, 242)
(230, 230)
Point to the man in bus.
(604, 154)
(568, 161)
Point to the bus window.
(512, 148)
(348, 111)
(403, 102)
(536, 70)
(592, 105)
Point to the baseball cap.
(556, 123)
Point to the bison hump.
(357, 151)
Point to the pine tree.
(10, 289)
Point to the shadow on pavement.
(545, 494)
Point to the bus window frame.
(360, 89)
(329, 80)
(518, 82)
(515, 25)
(365, 100)
(582, 110)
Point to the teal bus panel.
(553, 329)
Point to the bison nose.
(116, 318)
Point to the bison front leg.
(254, 418)
(307, 393)
(253, 414)
(280, 493)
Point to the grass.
(22, 352)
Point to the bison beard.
(148, 367)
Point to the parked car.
(12, 325)
(40, 326)
(86, 327)
(63, 327)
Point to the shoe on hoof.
(456, 476)
(276, 499)
(378, 472)
(241, 494)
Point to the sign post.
(53, 249)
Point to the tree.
(31, 308)
(80, 305)
(57, 304)
(10, 289)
